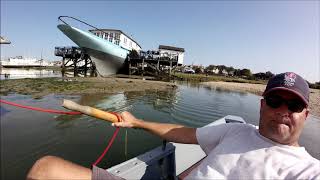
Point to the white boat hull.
(108, 57)
(106, 64)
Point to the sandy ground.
(258, 89)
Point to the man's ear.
(307, 112)
(262, 103)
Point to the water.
(28, 135)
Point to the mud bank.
(258, 89)
(43, 86)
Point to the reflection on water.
(115, 103)
(18, 73)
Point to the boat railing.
(95, 28)
(68, 52)
(156, 55)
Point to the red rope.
(110, 142)
(40, 109)
(70, 113)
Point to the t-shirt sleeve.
(209, 136)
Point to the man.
(234, 151)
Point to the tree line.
(243, 73)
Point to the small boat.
(107, 48)
(169, 161)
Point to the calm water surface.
(28, 135)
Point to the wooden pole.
(97, 113)
(63, 68)
(85, 66)
(158, 67)
(75, 69)
(142, 66)
(129, 66)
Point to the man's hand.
(170, 132)
(128, 121)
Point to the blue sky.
(274, 36)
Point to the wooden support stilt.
(158, 67)
(63, 67)
(75, 68)
(142, 67)
(85, 66)
(129, 66)
(93, 70)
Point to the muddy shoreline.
(258, 89)
(40, 87)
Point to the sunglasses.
(294, 105)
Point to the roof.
(116, 30)
(171, 48)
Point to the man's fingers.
(120, 124)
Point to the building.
(117, 37)
(20, 61)
(215, 71)
(173, 51)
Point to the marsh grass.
(206, 78)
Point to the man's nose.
(283, 109)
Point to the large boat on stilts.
(107, 48)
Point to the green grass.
(205, 78)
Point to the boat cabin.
(117, 37)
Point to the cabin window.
(106, 36)
(125, 41)
(117, 38)
(98, 34)
(111, 37)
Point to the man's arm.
(170, 132)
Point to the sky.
(276, 36)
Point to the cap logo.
(289, 79)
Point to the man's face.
(281, 124)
